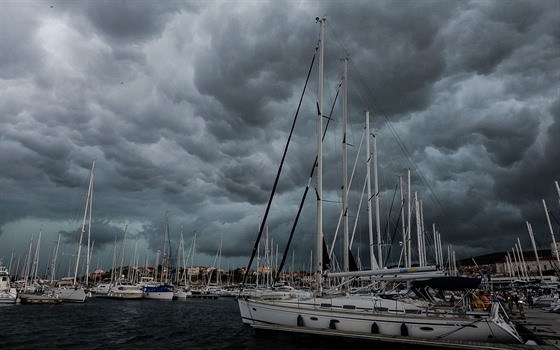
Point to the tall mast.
(346, 260)
(509, 265)
(122, 251)
(90, 203)
(35, 266)
(319, 233)
(373, 262)
(90, 188)
(522, 260)
(516, 264)
(113, 267)
(422, 234)
(55, 257)
(530, 228)
(377, 218)
(551, 231)
(403, 224)
(435, 243)
(408, 230)
(418, 228)
(193, 250)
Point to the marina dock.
(543, 328)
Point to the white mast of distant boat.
(54, 258)
(191, 258)
(530, 228)
(86, 210)
(90, 204)
(35, 265)
(551, 231)
(122, 253)
(557, 190)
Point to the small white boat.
(100, 290)
(182, 292)
(125, 290)
(8, 294)
(68, 292)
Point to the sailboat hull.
(326, 313)
(8, 296)
(158, 293)
(70, 294)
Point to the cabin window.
(350, 307)
(426, 329)
(313, 318)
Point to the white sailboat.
(369, 314)
(68, 289)
(182, 290)
(121, 288)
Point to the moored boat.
(100, 290)
(182, 292)
(157, 292)
(366, 314)
(39, 299)
(8, 293)
(125, 290)
(68, 292)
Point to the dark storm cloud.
(129, 22)
(186, 107)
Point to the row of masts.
(515, 263)
(409, 201)
(371, 155)
(31, 272)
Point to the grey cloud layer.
(186, 107)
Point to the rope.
(263, 223)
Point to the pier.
(538, 325)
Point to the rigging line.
(337, 39)
(402, 145)
(396, 226)
(263, 223)
(458, 329)
(399, 140)
(550, 213)
(304, 196)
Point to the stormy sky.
(186, 107)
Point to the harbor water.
(141, 324)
